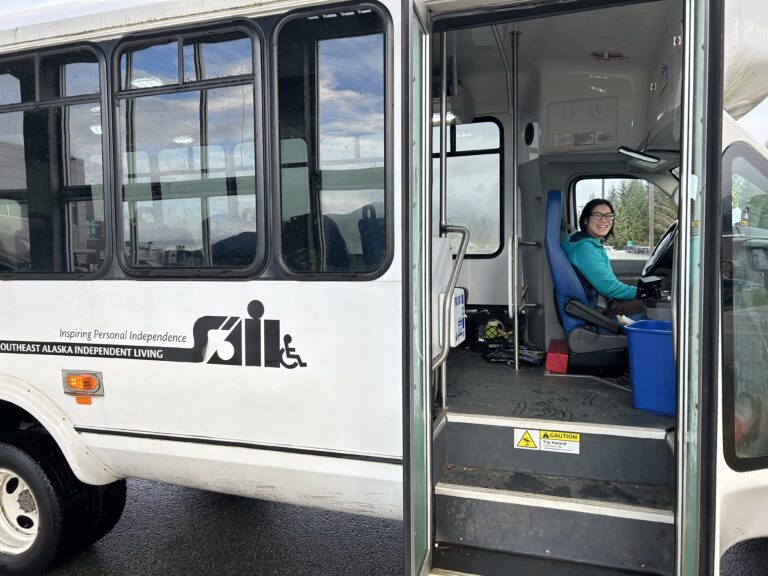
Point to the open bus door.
(419, 438)
(709, 422)
(437, 306)
(720, 293)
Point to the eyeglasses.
(609, 216)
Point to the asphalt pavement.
(167, 530)
(172, 531)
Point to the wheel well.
(13, 418)
(48, 417)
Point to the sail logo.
(250, 341)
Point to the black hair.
(584, 218)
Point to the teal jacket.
(588, 256)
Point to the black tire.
(27, 487)
(95, 510)
(64, 510)
(107, 504)
(103, 505)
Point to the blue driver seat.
(596, 344)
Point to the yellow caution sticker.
(565, 436)
(562, 442)
(526, 439)
(548, 440)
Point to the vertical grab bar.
(515, 201)
(513, 249)
(446, 228)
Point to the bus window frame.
(389, 155)
(736, 150)
(454, 153)
(103, 98)
(260, 137)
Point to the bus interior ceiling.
(588, 82)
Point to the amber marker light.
(82, 382)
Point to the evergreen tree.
(630, 202)
(665, 212)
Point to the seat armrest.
(579, 310)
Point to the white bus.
(296, 250)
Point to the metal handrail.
(448, 299)
(674, 296)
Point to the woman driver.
(584, 249)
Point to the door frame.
(698, 289)
(418, 561)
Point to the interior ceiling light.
(183, 140)
(638, 155)
(606, 55)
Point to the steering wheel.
(661, 257)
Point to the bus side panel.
(312, 367)
(354, 486)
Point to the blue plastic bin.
(652, 366)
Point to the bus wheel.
(61, 502)
(107, 504)
(31, 514)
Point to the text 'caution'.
(548, 440)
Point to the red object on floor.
(557, 357)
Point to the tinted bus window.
(217, 57)
(331, 116)
(17, 81)
(64, 75)
(187, 155)
(51, 182)
(150, 66)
